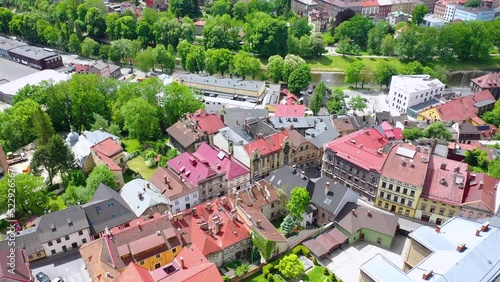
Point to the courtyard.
(345, 262)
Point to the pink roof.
(482, 190)
(107, 147)
(462, 108)
(268, 145)
(491, 80)
(391, 132)
(478, 120)
(191, 169)
(414, 173)
(109, 162)
(289, 110)
(135, 273)
(208, 122)
(200, 23)
(220, 161)
(369, 3)
(444, 184)
(361, 148)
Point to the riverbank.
(339, 63)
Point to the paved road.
(69, 266)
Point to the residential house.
(216, 229)
(15, 266)
(27, 240)
(466, 132)
(410, 90)
(234, 117)
(187, 133)
(302, 7)
(150, 243)
(326, 243)
(385, 7)
(111, 154)
(370, 8)
(402, 179)
(458, 250)
(199, 26)
(345, 124)
(143, 198)
(63, 230)
(4, 165)
(473, 14)
(100, 68)
(395, 17)
(305, 154)
(329, 198)
(262, 196)
(107, 209)
(489, 82)
(318, 20)
(236, 174)
(433, 21)
(361, 223)
(430, 4)
(480, 201)
(446, 185)
(199, 175)
(288, 178)
(157, 4)
(356, 161)
(178, 193)
(466, 108)
(405, 6)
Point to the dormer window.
(53, 228)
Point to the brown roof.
(92, 257)
(491, 80)
(184, 133)
(17, 269)
(344, 124)
(381, 222)
(483, 191)
(266, 229)
(326, 242)
(297, 138)
(405, 164)
(135, 273)
(170, 184)
(256, 195)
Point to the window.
(379, 203)
(379, 240)
(381, 194)
(80, 232)
(322, 215)
(329, 218)
(186, 199)
(398, 188)
(176, 202)
(407, 212)
(158, 256)
(141, 262)
(111, 204)
(66, 238)
(84, 240)
(30, 257)
(412, 193)
(395, 199)
(450, 214)
(403, 200)
(471, 213)
(50, 243)
(388, 197)
(53, 252)
(386, 205)
(174, 250)
(390, 186)
(433, 209)
(195, 196)
(400, 210)
(158, 265)
(423, 207)
(405, 191)
(58, 241)
(64, 248)
(410, 203)
(441, 212)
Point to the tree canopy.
(290, 266)
(298, 202)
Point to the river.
(455, 78)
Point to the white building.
(449, 12)
(433, 21)
(143, 198)
(63, 230)
(410, 90)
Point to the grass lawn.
(339, 63)
(132, 145)
(56, 203)
(492, 63)
(139, 165)
(317, 274)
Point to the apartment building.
(410, 90)
(143, 198)
(489, 82)
(481, 200)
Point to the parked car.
(58, 279)
(42, 277)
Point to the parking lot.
(345, 263)
(68, 266)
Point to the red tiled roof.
(391, 132)
(135, 273)
(268, 145)
(462, 108)
(191, 169)
(361, 148)
(443, 185)
(491, 80)
(200, 23)
(369, 3)
(170, 184)
(81, 68)
(107, 147)
(414, 173)
(478, 120)
(18, 270)
(218, 160)
(231, 231)
(483, 190)
(109, 162)
(288, 110)
(207, 122)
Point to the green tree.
(413, 133)
(412, 68)
(5, 17)
(167, 31)
(240, 10)
(89, 47)
(473, 3)
(291, 63)
(344, 46)
(125, 48)
(177, 101)
(42, 127)
(181, 8)
(242, 269)
(383, 74)
(244, 64)
(298, 202)
(195, 60)
(288, 226)
(222, 32)
(376, 35)
(417, 17)
(31, 197)
(74, 44)
(437, 130)
(356, 28)
(96, 24)
(299, 78)
(140, 119)
(218, 60)
(492, 117)
(317, 98)
(144, 32)
(164, 58)
(267, 36)
(300, 28)
(494, 169)
(74, 177)
(353, 72)
(101, 123)
(17, 124)
(75, 195)
(172, 153)
(290, 266)
(387, 45)
(54, 157)
(405, 44)
(219, 7)
(317, 44)
(182, 51)
(336, 103)
(477, 158)
(145, 59)
(100, 174)
(357, 103)
(274, 68)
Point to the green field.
(138, 165)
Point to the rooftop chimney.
(485, 226)
(182, 262)
(353, 211)
(427, 275)
(193, 211)
(165, 178)
(259, 223)
(294, 169)
(461, 247)
(216, 227)
(438, 229)
(327, 187)
(369, 213)
(209, 206)
(481, 184)
(457, 169)
(478, 231)
(139, 194)
(303, 175)
(443, 165)
(223, 200)
(234, 214)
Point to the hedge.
(302, 250)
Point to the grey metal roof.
(236, 116)
(286, 179)
(383, 116)
(107, 208)
(150, 196)
(247, 85)
(231, 135)
(26, 239)
(381, 269)
(425, 105)
(441, 150)
(494, 221)
(332, 200)
(7, 43)
(61, 223)
(33, 52)
(98, 136)
(484, 103)
(256, 126)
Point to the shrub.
(315, 261)
(226, 279)
(53, 187)
(270, 276)
(325, 271)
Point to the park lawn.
(317, 274)
(138, 165)
(339, 63)
(491, 63)
(132, 145)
